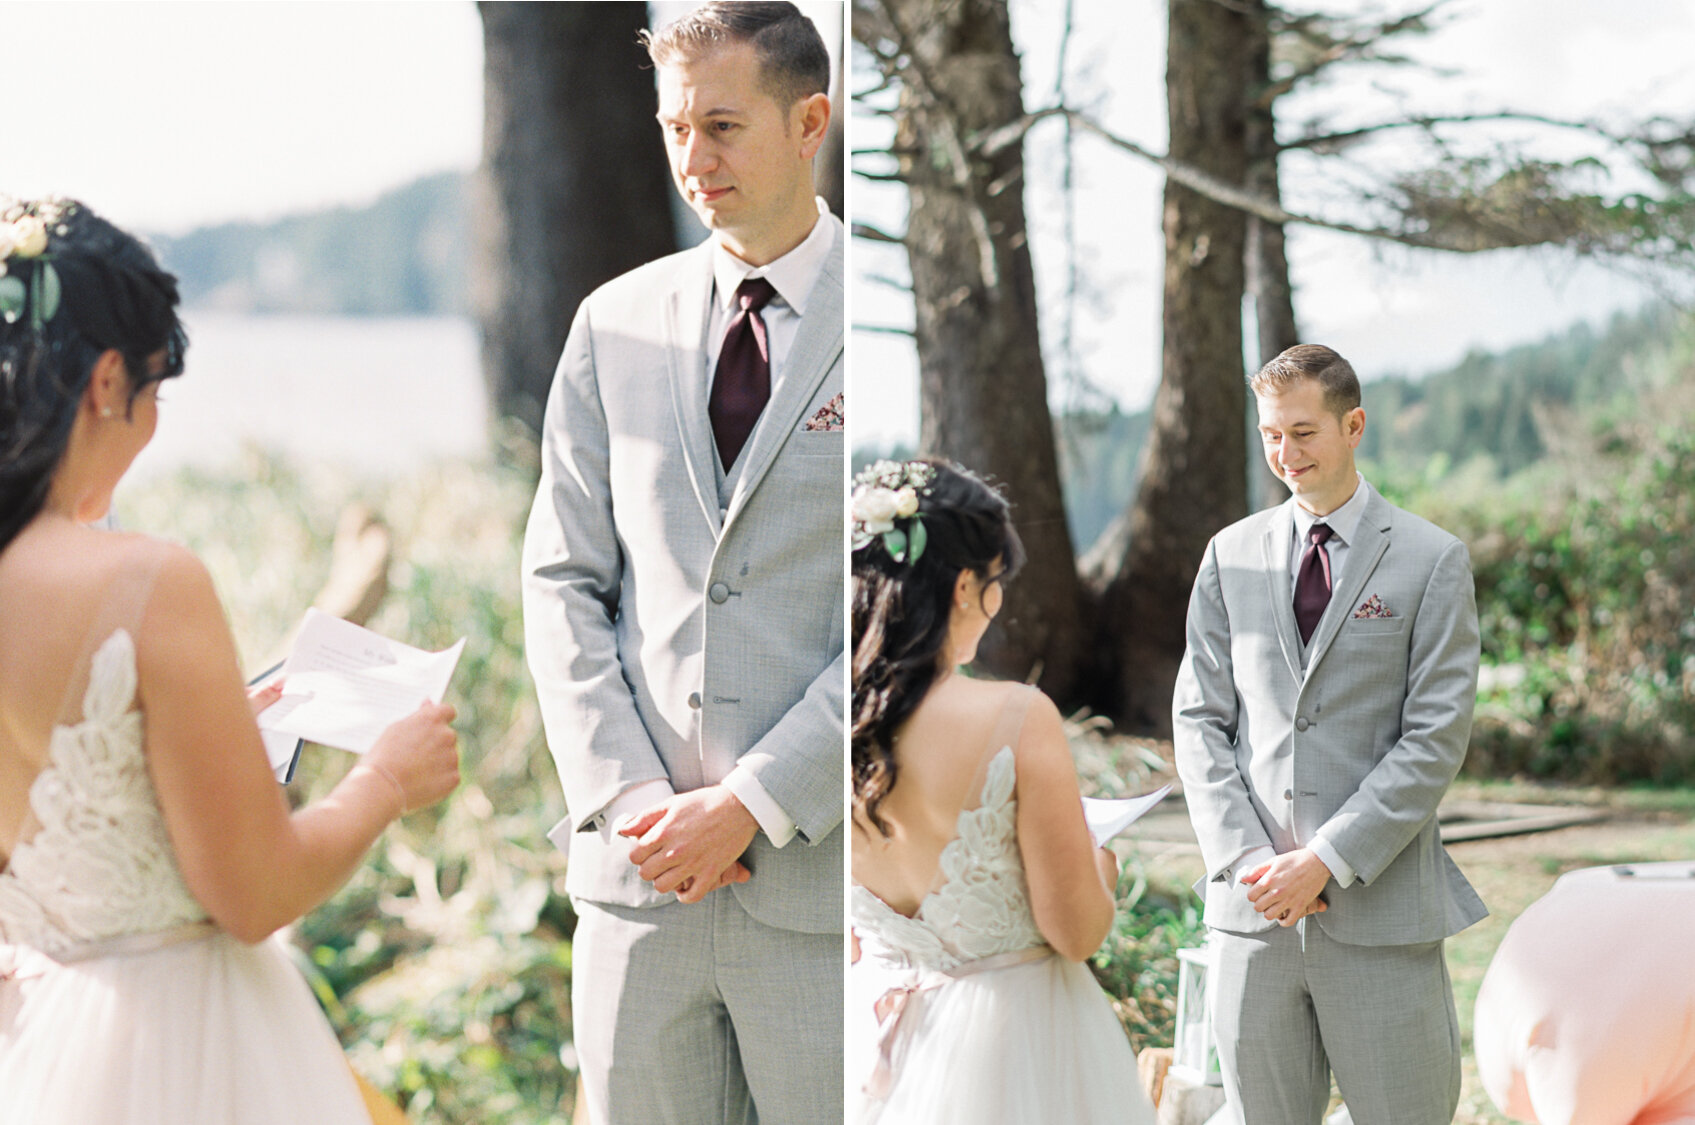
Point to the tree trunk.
(982, 387)
(832, 159)
(1267, 260)
(1194, 477)
(573, 190)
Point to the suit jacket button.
(1301, 723)
(694, 700)
(719, 593)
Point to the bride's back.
(60, 586)
(941, 754)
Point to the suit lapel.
(1370, 541)
(687, 314)
(814, 352)
(1275, 548)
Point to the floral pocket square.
(828, 419)
(1372, 607)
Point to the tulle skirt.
(1035, 1042)
(203, 1032)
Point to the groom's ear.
(1353, 426)
(812, 114)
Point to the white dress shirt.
(793, 276)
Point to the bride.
(146, 851)
(977, 889)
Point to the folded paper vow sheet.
(1107, 818)
(343, 684)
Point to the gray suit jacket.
(654, 628)
(1363, 745)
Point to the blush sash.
(898, 1008)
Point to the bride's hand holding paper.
(418, 756)
(1107, 817)
(343, 685)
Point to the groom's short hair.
(792, 60)
(1334, 375)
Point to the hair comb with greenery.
(26, 231)
(885, 496)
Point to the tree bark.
(982, 385)
(1267, 257)
(573, 190)
(832, 159)
(1194, 476)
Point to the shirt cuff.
(641, 795)
(778, 826)
(1246, 862)
(1340, 869)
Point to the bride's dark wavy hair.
(901, 612)
(114, 296)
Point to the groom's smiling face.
(742, 160)
(1309, 447)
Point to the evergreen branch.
(1320, 141)
(1468, 220)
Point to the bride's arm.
(252, 864)
(1068, 890)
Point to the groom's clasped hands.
(1287, 889)
(692, 843)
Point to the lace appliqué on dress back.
(981, 906)
(101, 863)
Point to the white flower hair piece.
(885, 495)
(26, 231)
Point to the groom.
(1322, 709)
(683, 578)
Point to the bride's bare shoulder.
(967, 713)
(80, 564)
(986, 701)
(169, 575)
(977, 696)
(160, 582)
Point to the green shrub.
(1585, 578)
(1137, 964)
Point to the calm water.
(375, 396)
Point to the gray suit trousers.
(1284, 1001)
(700, 1014)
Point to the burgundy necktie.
(742, 384)
(1312, 581)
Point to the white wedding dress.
(120, 1003)
(981, 1022)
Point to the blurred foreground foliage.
(445, 962)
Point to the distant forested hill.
(403, 255)
(1507, 410)
(1492, 413)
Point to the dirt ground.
(1509, 873)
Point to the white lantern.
(1195, 1057)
